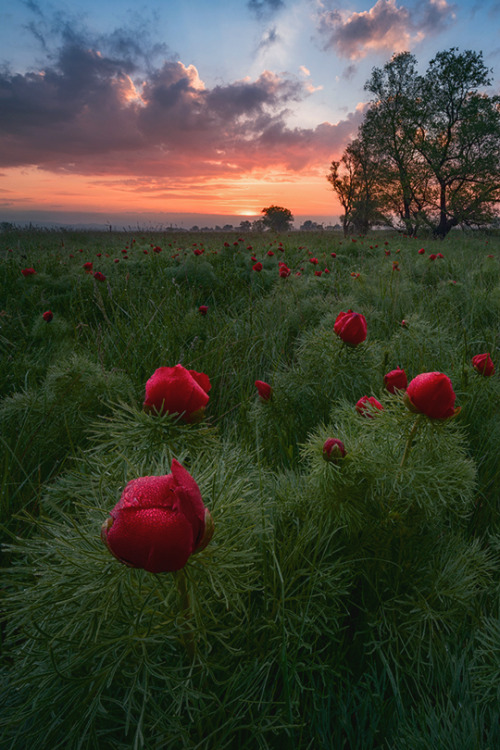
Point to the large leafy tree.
(436, 139)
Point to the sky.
(184, 112)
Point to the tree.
(356, 178)
(277, 219)
(457, 135)
(387, 133)
(436, 140)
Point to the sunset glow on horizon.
(101, 114)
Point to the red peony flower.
(28, 272)
(395, 379)
(431, 393)
(98, 276)
(421, 251)
(264, 389)
(334, 255)
(175, 390)
(87, 267)
(257, 267)
(314, 261)
(366, 405)
(483, 364)
(159, 522)
(203, 309)
(351, 327)
(48, 315)
(284, 271)
(333, 450)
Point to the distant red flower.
(355, 275)
(258, 267)
(314, 261)
(203, 309)
(395, 265)
(198, 251)
(157, 249)
(440, 255)
(333, 450)
(334, 255)
(433, 256)
(98, 276)
(387, 252)
(483, 364)
(367, 404)
(431, 393)
(270, 253)
(421, 251)
(395, 379)
(264, 389)
(284, 271)
(178, 391)
(28, 272)
(48, 315)
(318, 273)
(351, 327)
(87, 267)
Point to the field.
(348, 604)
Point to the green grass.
(345, 606)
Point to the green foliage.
(339, 605)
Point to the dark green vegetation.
(427, 153)
(348, 606)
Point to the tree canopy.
(277, 218)
(428, 150)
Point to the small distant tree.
(311, 226)
(277, 218)
(245, 225)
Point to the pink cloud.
(386, 27)
(90, 114)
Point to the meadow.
(350, 604)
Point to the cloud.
(262, 8)
(93, 112)
(385, 27)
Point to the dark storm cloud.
(385, 27)
(93, 110)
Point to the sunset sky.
(190, 111)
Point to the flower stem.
(409, 442)
(186, 613)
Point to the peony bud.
(395, 379)
(333, 450)
(47, 316)
(350, 327)
(159, 522)
(431, 393)
(264, 389)
(178, 391)
(483, 364)
(366, 405)
(203, 309)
